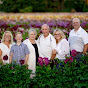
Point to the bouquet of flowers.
(5, 57)
(42, 61)
(21, 61)
(70, 59)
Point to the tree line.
(43, 6)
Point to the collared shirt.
(46, 45)
(19, 52)
(63, 49)
(78, 39)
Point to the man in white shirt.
(47, 43)
(78, 38)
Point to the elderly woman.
(62, 48)
(33, 48)
(5, 46)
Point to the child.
(19, 52)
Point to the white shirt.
(46, 45)
(5, 51)
(62, 49)
(78, 39)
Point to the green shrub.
(14, 78)
(71, 75)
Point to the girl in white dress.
(5, 46)
(33, 48)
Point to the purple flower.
(73, 52)
(5, 57)
(43, 61)
(46, 61)
(21, 62)
(71, 59)
(40, 60)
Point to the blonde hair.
(2, 40)
(61, 32)
(18, 33)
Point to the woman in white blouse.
(62, 48)
(33, 48)
(5, 46)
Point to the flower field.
(23, 22)
(71, 75)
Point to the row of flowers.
(23, 27)
(45, 61)
(42, 16)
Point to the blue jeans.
(58, 66)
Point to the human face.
(45, 30)
(57, 35)
(7, 37)
(18, 37)
(76, 24)
(32, 36)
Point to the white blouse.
(62, 49)
(5, 51)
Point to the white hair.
(46, 25)
(32, 30)
(2, 40)
(76, 19)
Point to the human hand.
(53, 51)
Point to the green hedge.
(72, 75)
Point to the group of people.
(47, 45)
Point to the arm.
(53, 44)
(26, 58)
(10, 57)
(53, 56)
(27, 54)
(85, 48)
(0, 57)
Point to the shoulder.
(13, 43)
(51, 36)
(71, 31)
(40, 36)
(83, 31)
(13, 47)
(25, 41)
(24, 45)
(1, 44)
(64, 40)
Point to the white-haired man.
(78, 39)
(47, 43)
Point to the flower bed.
(71, 75)
(23, 22)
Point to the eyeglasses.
(57, 34)
(7, 36)
(75, 22)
